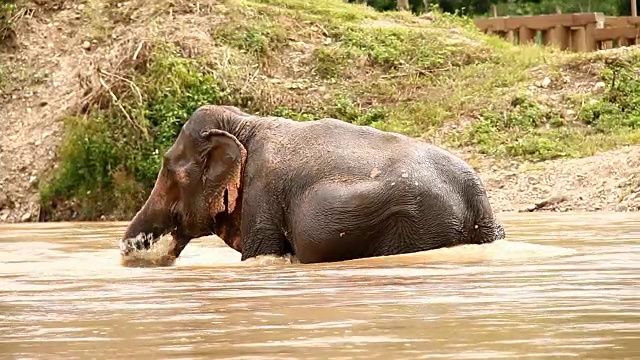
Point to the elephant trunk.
(153, 220)
(148, 221)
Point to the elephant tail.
(486, 228)
(500, 233)
(483, 226)
(486, 231)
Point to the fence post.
(578, 40)
(526, 35)
(623, 42)
(591, 44)
(563, 35)
(557, 36)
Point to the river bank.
(546, 131)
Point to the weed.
(9, 14)
(7, 8)
(96, 13)
(331, 61)
(347, 111)
(285, 112)
(258, 37)
(16, 76)
(517, 131)
(619, 107)
(331, 10)
(393, 48)
(103, 154)
(530, 131)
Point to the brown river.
(562, 286)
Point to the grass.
(529, 130)
(111, 157)
(7, 11)
(7, 7)
(306, 60)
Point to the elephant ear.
(224, 159)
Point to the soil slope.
(38, 88)
(42, 81)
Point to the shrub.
(118, 151)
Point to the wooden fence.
(579, 32)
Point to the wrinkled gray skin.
(321, 190)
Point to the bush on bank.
(307, 60)
(530, 130)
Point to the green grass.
(118, 151)
(7, 7)
(528, 130)
(306, 60)
(7, 10)
(619, 108)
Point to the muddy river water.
(562, 286)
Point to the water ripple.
(563, 286)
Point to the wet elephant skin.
(322, 190)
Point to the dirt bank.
(42, 82)
(609, 181)
(38, 89)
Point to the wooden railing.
(579, 32)
(618, 31)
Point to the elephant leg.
(261, 228)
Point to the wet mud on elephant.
(322, 191)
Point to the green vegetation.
(619, 108)
(7, 9)
(533, 131)
(111, 157)
(511, 7)
(518, 131)
(527, 7)
(305, 60)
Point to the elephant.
(322, 191)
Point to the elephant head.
(198, 188)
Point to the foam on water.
(205, 253)
(500, 250)
(156, 255)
